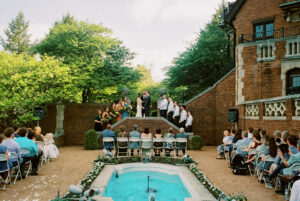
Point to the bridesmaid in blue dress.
(124, 108)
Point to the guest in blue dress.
(125, 108)
(3, 164)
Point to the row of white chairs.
(147, 145)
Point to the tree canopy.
(27, 82)
(203, 63)
(17, 38)
(97, 60)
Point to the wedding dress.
(139, 108)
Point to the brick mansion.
(264, 86)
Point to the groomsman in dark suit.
(143, 98)
(147, 104)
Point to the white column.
(60, 116)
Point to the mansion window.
(293, 81)
(264, 30)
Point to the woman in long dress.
(118, 111)
(125, 107)
(139, 106)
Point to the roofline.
(236, 8)
(210, 88)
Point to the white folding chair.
(251, 152)
(226, 149)
(158, 145)
(169, 144)
(146, 145)
(134, 141)
(43, 157)
(122, 143)
(110, 140)
(179, 143)
(28, 166)
(295, 167)
(4, 159)
(15, 170)
(267, 159)
(258, 158)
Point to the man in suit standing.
(143, 99)
(147, 104)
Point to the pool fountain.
(150, 182)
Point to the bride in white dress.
(138, 106)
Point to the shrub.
(90, 140)
(196, 142)
(153, 113)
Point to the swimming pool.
(134, 186)
(166, 183)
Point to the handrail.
(277, 33)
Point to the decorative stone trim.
(292, 47)
(252, 110)
(280, 98)
(266, 51)
(297, 108)
(240, 74)
(274, 118)
(275, 109)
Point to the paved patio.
(74, 162)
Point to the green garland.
(214, 190)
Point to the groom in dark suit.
(143, 99)
(147, 104)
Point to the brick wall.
(210, 110)
(152, 123)
(78, 119)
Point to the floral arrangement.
(215, 190)
(86, 182)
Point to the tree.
(27, 82)
(17, 37)
(203, 63)
(97, 61)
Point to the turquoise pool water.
(132, 186)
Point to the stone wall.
(78, 119)
(210, 110)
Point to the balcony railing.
(277, 33)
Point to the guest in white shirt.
(176, 114)
(183, 116)
(189, 122)
(163, 106)
(170, 111)
(250, 130)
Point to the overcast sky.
(157, 30)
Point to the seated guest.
(11, 145)
(158, 135)
(106, 134)
(284, 137)
(241, 144)
(134, 134)
(277, 136)
(16, 129)
(250, 130)
(25, 143)
(169, 146)
(271, 150)
(292, 142)
(220, 148)
(3, 164)
(253, 145)
(146, 135)
(123, 134)
(262, 133)
(30, 135)
(181, 145)
(295, 192)
(237, 137)
(189, 122)
(50, 148)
